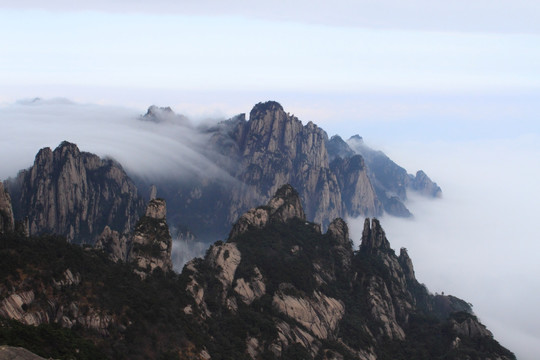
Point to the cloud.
(186, 250)
(167, 149)
(478, 16)
(480, 241)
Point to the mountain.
(278, 288)
(7, 221)
(389, 180)
(259, 155)
(148, 247)
(74, 194)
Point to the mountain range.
(285, 282)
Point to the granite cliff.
(296, 292)
(75, 194)
(278, 288)
(148, 247)
(270, 149)
(7, 221)
(389, 180)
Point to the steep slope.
(75, 194)
(279, 288)
(389, 180)
(289, 291)
(148, 247)
(7, 222)
(261, 154)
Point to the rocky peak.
(424, 185)
(271, 129)
(151, 242)
(284, 206)
(7, 222)
(156, 209)
(406, 264)
(75, 194)
(337, 147)
(373, 238)
(339, 231)
(164, 114)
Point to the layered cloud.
(144, 148)
(480, 241)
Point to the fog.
(170, 148)
(480, 242)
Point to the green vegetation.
(48, 341)
(148, 318)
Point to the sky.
(451, 88)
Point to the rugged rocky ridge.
(75, 194)
(148, 247)
(151, 242)
(258, 153)
(7, 221)
(279, 288)
(270, 149)
(389, 180)
(312, 296)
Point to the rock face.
(17, 353)
(7, 222)
(423, 184)
(75, 194)
(148, 247)
(258, 153)
(389, 180)
(278, 288)
(151, 242)
(263, 153)
(312, 296)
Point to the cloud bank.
(480, 241)
(144, 148)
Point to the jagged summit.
(164, 114)
(337, 147)
(318, 299)
(7, 221)
(263, 107)
(284, 206)
(279, 289)
(373, 237)
(75, 194)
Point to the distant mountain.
(389, 180)
(278, 288)
(334, 178)
(70, 192)
(74, 194)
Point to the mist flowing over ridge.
(211, 172)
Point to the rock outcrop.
(424, 185)
(260, 154)
(17, 353)
(148, 247)
(7, 221)
(75, 194)
(389, 180)
(317, 298)
(278, 288)
(284, 206)
(151, 242)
